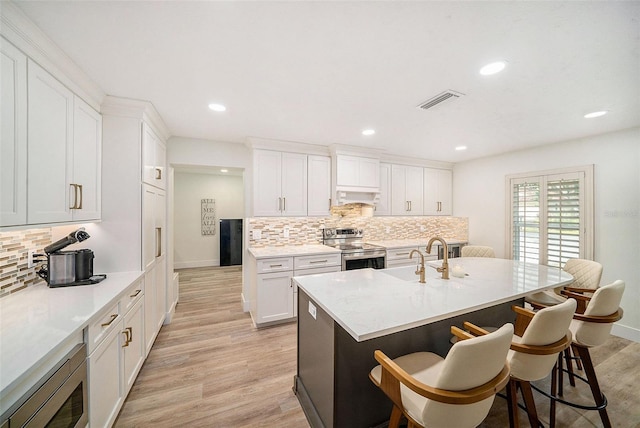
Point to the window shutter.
(563, 221)
(526, 221)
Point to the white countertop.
(35, 321)
(391, 244)
(292, 250)
(371, 303)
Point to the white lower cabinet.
(274, 295)
(116, 350)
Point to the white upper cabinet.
(279, 183)
(50, 149)
(87, 165)
(437, 191)
(13, 138)
(356, 171)
(153, 159)
(406, 190)
(319, 186)
(384, 203)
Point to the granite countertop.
(292, 250)
(35, 322)
(370, 303)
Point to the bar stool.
(589, 330)
(477, 251)
(455, 391)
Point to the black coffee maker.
(66, 268)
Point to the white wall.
(191, 248)
(479, 193)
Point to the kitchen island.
(344, 317)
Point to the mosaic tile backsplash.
(14, 250)
(307, 230)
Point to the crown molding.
(286, 146)
(136, 109)
(18, 29)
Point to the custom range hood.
(355, 177)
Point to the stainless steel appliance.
(65, 268)
(453, 251)
(355, 253)
(60, 400)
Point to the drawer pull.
(275, 266)
(108, 323)
(135, 294)
(318, 261)
(402, 254)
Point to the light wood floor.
(211, 368)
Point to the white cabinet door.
(280, 184)
(437, 191)
(294, 184)
(150, 308)
(134, 351)
(161, 291)
(50, 148)
(153, 158)
(406, 190)
(274, 297)
(357, 171)
(319, 185)
(87, 163)
(13, 137)
(106, 389)
(384, 204)
(267, 183)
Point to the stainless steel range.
(355, 253)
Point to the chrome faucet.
(445, 259)
(420, 270)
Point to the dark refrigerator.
(230, 242)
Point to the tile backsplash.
(307, 230)
(14, 250)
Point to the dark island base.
(332, 384)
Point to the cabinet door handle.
(73, 188)
(329, 203)
(158, 241)
(126, 338)
(158, 173)
(130, 330)
(108, 323)
(136, 293)
(81, 198)
(279, 204)
(284, 204)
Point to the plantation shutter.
(564, 219)
(526, 221)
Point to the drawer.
(403, 262)
(403, 253)
(101, 327)
(316, 261)
(276, 264)
(131, 296)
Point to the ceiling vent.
(440, 98)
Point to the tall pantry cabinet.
(135, 202)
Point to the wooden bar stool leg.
(567, 357)
(554, 390)
(587, 364)
(512, 403)
(578, 361)
(529, 402)
(396, 416)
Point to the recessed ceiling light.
(493, 68)
(461, 148)
(595, 114)
(224, 170)
(217, 107)
(368, 132)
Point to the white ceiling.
(321, 72)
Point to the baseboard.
(626, 332)
(196, 264)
